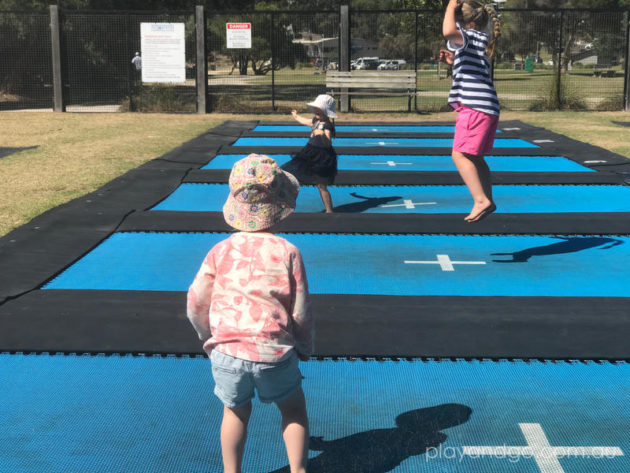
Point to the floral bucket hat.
(261, 194)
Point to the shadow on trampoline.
(381, 450)
(569, 245)
(367, 203)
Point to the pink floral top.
(250, 299)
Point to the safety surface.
(135, 414)
(378, 142)
(379, 162)
(423, 199)
(379, 264)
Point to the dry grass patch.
(78, 153)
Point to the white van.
(364, 63)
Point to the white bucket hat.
(326, 104)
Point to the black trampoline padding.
(490, 327)
(611, 223)
(33, 253)
(411, 178)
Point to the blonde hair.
(469, 11)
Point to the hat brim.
(328, 113)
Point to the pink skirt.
(474, 131)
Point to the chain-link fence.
(25, 61)
(545, 60)
(100, 76)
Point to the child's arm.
(301, 120)
(449, 25)
(199, 295)
(303, 320)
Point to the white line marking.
(595, 161)
(445, 262)
(510, 129)
(381, 143)
(393, 163)
(544, 141)
(538, 448)
(407, 203)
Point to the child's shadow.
(381, 450)
(568, 245)
(367, 203)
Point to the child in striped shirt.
(473, 96)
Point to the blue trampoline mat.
(421, 199)
(366, 128)
(124, 414)
(379, 142)
(358, 162)
(431, 265)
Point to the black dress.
(317, 161)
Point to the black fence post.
(201, 80)
(130, 66)
(344, 53)
(626, 78)
(273, 62)
(57, 63)
(559, 76)
(415, 62)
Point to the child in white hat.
(249, 304)
(316, 163)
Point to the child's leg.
(325, 195)
(233, 436)
(476, 175)
(295, 430)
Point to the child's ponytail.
(469, 11)
(496, 29)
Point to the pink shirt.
(250, 299)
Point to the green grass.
(518, 90)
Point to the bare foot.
(479, 212)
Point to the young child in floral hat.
(249, 304)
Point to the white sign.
(238, 35)
(163, 52)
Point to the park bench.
(375, 83)
(603, 70)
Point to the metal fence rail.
(546, 60)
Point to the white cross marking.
(595, 161)
(543, 141)
(393, 163)
(445, 262)
(381, 143)
(538, 448)
(510, 129)
(408, 204)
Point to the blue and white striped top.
(472, 83)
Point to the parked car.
(391, 65)
(366, 63)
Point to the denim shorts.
(235, 379)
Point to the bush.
(162, 98)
